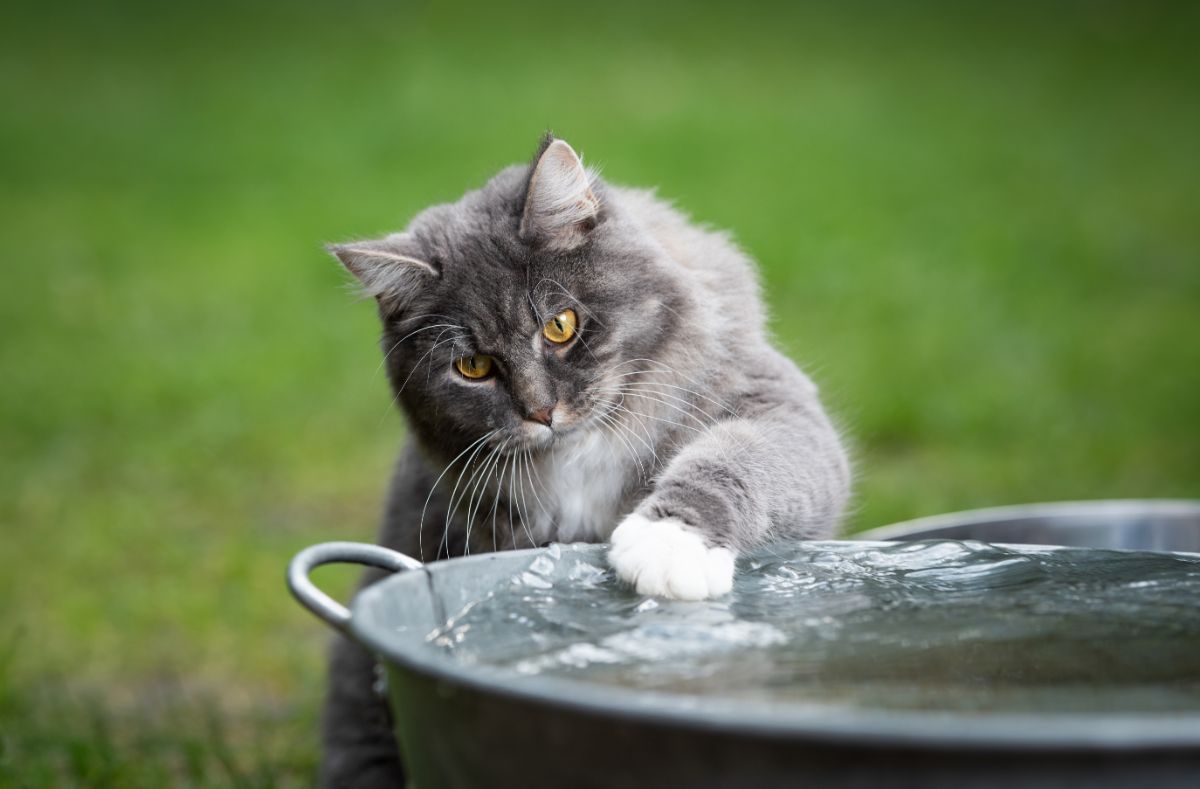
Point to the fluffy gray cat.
(579, 362)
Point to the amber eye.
(561, 327)
(474, 367)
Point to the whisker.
(452, 508)
(650, 384)
(610, 417)
(421, 524)
(614, 428)
(536, 480)
(668, 369)
(525, 476)
(478, 485)
(512, 474)
(481, 487)
(497, 497)
(637, 389)
(469, 495)
(410, 334)
(400, 391)
(426, 315)
(668, 404)
(664, 420)
(572, 297)
(579, 336)
(533, 305)
(438, 341)
(649, 440)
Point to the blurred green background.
(978, 227)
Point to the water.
(936, 625)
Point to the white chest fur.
(582, 485)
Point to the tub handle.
(321, 604)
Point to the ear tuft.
(387, 268)
(560, 206)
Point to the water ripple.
(926, 625)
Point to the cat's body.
(665, 410)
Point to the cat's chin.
(531, 439)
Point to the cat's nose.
(544, 415)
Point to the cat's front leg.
(742, 483)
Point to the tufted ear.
(560, 206)
(387, 268)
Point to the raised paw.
(666, 558)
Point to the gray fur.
(719, 429)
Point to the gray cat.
(578, 362)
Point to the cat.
(579, 362)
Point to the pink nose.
(543, 415)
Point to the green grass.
(978, 229)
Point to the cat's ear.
(389, 268)
(561, 208)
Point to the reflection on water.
(939, 625)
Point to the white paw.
(667, 559)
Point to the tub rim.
(1084, 508)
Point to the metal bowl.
(465, 726)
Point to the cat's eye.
(475, 366)
(561, 327)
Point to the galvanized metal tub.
(463, 726)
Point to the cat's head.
(515, 312)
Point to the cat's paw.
(667, 559)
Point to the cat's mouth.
(536, 436)
(533, 437)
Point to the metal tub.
(464, 726)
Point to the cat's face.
(512, 316)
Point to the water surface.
(935, 625)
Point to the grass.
(977, 228)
